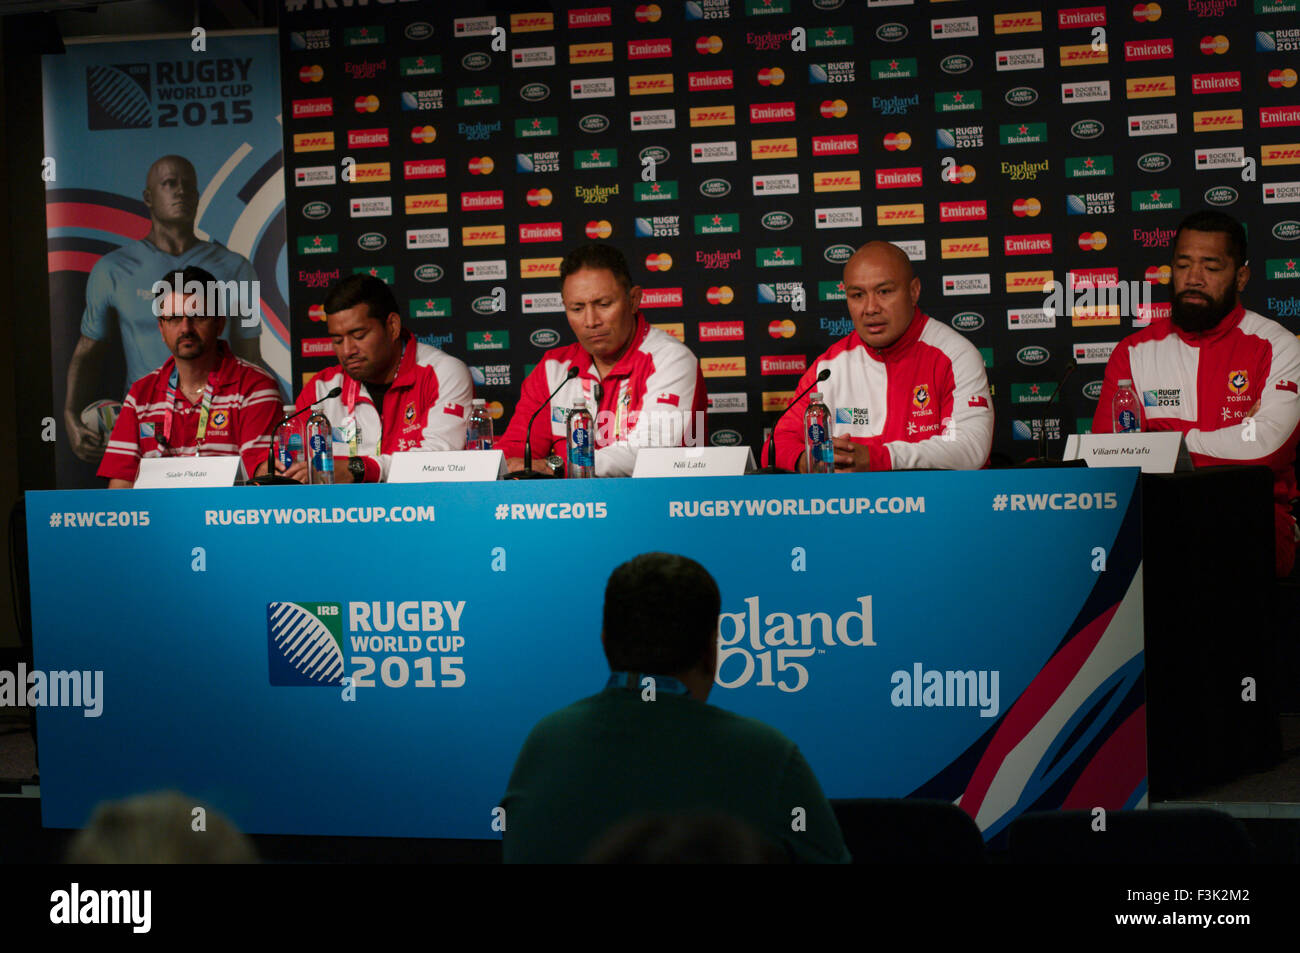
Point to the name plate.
(157, 473)
(693, 461)
(1156, 452)
(446, 466)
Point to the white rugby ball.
(305, 643)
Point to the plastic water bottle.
(478, 429)
(582, 454)
(320, 437)
(1126, 410)
(817, 436)
(288, 445)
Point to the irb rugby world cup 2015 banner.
(969, 636)
(160, 153)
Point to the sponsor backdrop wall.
(737, 150)
(111, 110)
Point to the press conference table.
(917, 634)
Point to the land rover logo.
(1021, 96)
(593, 123)
(1287, 231)
(484, 304)
(1221, 195)
(1092, 390)
(428, 273)
(968, 321)
(1154, 162)
(544, 337)
(535, 92)
(956, 64)
(372, 241)
(419, 30)
(1032, 355)
(476, 61)
(715, 188)
(315, 210)
(828, 4)
(891, 32)
(658, 153)
(838, 253)
(777, 220)
(725, 438)
(1087, 129)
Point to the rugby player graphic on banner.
(160, 155)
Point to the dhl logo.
(964, 247)
(483, 235)
(1022, 281)
(1215, 119)
(713, 116)
(539, 267)
(650, 83)
(1094, 314)
(677, 331)
(723, 366)
(1084, 55)
(1029, 22)
(531, 22)
(777, 400)
(837, 181)
(774, 148)
(1288, 154)
(425, 204)
(313, 141)
(1149, 87)
(591, 52)
(371, 172)
(913, 214)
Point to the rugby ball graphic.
(303, 650)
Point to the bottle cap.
(816, 396)
(480, 402)
(1126, 383)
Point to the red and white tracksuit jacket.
(922, 402)
(426, 407)
(1203, 384)
(653, 397)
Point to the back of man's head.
(159, 829)
(661, 615)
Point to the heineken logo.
(777, 220)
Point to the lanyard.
(205, 408)
(352, 391)
(632, 682)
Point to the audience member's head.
(691, 839)
(159, 829)
(661, 616)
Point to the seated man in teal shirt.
(650, 743)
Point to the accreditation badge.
(350, 435)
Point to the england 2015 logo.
(304, 643)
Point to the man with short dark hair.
(202, 401)
(396, 393)
(643, 388)
(650, 743)
(1214, 364)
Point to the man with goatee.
(1214, 364)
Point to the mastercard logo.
(495, 409)
(709, 44)
(661, 261)
(898, 141)
(481, 165)
(366, 104)
(601, 229)
(781, 329)
(1092, 241)
(1214, 44)
(722, 295)
(423, 135)
(1022, 207)
(1146, 12)
(536, 197)
(771, 77)
(1158, 274)
(311, 74)
(316, 312)
(1279, 78)
(834, 109)
(648, 13)
(963, 174)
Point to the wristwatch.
(357, 468)
(556, 463)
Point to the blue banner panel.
(973, 636)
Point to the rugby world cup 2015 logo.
(119, 97)
(304, 643)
